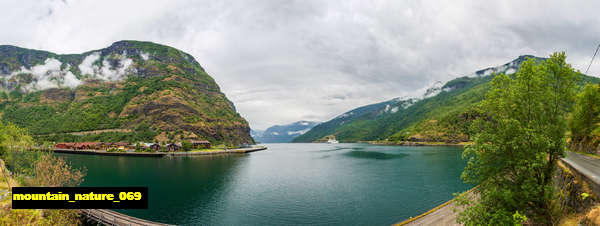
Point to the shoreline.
(441, 213)
(411, 143)
(162, 154)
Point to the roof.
(199, 142)
(64, 143)
(89, 143)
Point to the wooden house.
(87, 145)
(104, 145)
(64, 146)
(200, 144)
(173, 147)
(155, 147)
(121, 145)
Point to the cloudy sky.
(284, 61)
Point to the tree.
(516, 146)
(14, 141)
(186, 145)
(138, 147)
(584, 122)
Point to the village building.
(86, 145)
(121, 145)
(104, 145)
(78, 145)
(200, 144)
(173, 147)
(155, 147)
(64, 146)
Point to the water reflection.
(373, 155)
(175, 186)
(289, 184)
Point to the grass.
(219, 147)
(8, 215)
(4, 187)
(571, 219)
(3, 182)
(207, 150)
(593, 217)
(590, 155)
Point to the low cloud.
(145, 56)
(87, 66)
(50, 75)
(46, 76)
(106, 71)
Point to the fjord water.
(288, 184)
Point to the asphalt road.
(587, 165)
(441, 217)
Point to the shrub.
(186, 145)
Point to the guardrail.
(109, 217)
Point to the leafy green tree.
(584, 122)
(138, 147)
(186, 145)
(517, 145)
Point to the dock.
(109, 217)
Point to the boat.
(332, 141)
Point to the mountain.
(256, 133)
(283, 133)
(442, 114)
(131, 90)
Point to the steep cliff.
(136, 90)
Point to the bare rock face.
(123, 86)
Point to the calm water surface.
(288, 184)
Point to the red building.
(64, 146)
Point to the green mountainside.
(443, 114)
(130, 91)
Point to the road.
(441, 217)
(586, 165)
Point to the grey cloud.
(312, 59)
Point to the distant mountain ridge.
(441, 114)
(158, 92)
(283, 133)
